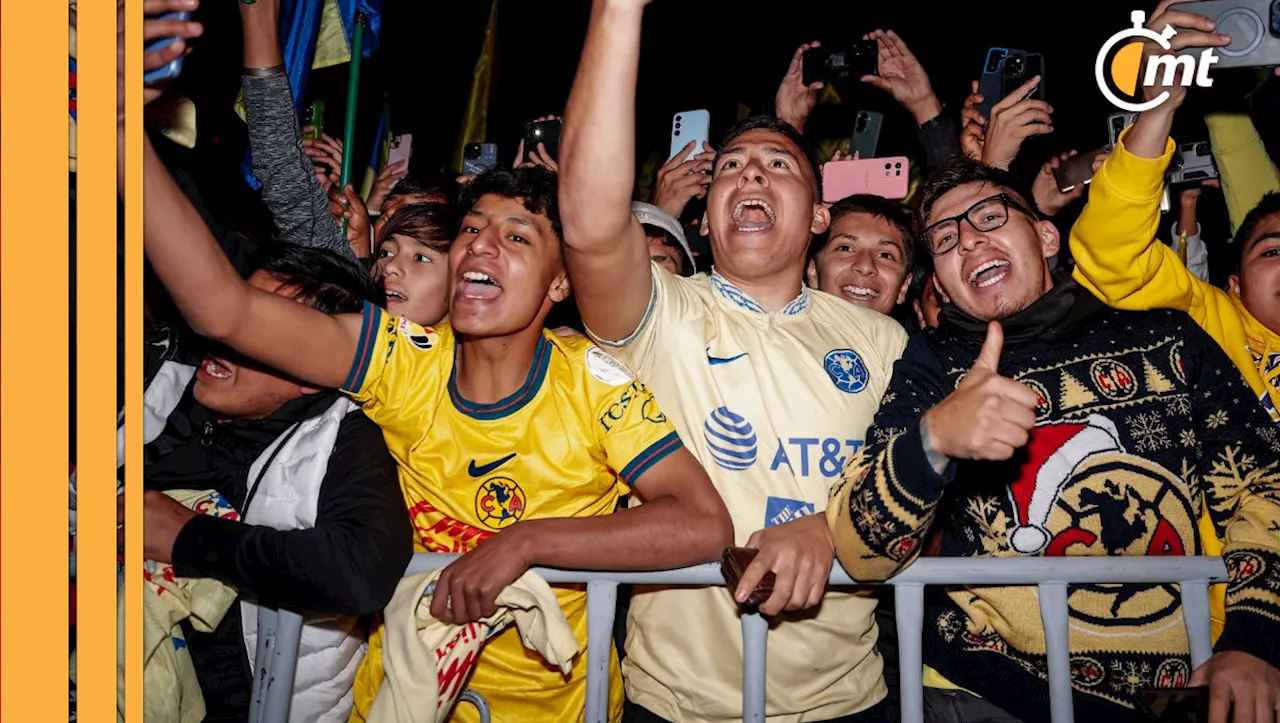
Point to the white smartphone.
(401, 148)
(691, 125)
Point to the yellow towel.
(416, 644)
(168, 675)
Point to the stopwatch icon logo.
(1124, 70)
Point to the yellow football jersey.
(566, 444)
(772, 404)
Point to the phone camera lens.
(677, 133)
(678, 119)
(887, 166)
(897, 165)
(471, 152)
(1202, 149)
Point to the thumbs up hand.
(987, 416)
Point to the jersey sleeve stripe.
(651, 456)
(371, 316)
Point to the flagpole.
(353, 93)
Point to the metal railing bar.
(1053, 614)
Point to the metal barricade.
(278, 633)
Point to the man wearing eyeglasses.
(1035, 421)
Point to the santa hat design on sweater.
(1055, 450)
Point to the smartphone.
(734, 562)
(691, 125)
(1254, 27)
(991, 83)
(1175, 705)
(545, 132)
(1017, 69)
(1076, 170)
(401, 148)
(1116, 123)
(1191, 163)
(479, 158)
(885, 177)
(173, 68)
(866, 133)
(315, 118)
(834, 64)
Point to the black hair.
(1269, 205)
(878, 207)
(535, 187)
(774, 124)
(433, 225)
(961, 170)
(324, 280)
(405, 186)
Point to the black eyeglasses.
(988, 214)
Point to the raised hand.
(988, 416)
(1044, 189)
(682, 181)
(387, 179)
(347, 205)
(1013, 120)
(973, 130)
(794, 100)
(902, 76)
(1194, 31)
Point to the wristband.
(264, 72)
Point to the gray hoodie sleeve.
(298, 203)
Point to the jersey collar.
(511, 404)
(731, 293)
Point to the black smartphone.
(545, 132)
(1175, 705)
(991, 86)
(834, 64)
(1017, 69)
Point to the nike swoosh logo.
(475, 471)
(723, 360)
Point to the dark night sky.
(696, 54)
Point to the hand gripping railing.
(278, 633)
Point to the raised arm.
(217, 303)
(298, 203)
(605, 248)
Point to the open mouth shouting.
(988, 274)
(478, 286)
(753, 215)
(212, 369)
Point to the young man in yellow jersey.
(513, 444)
(771, 384)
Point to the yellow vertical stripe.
(34, 358)
(96, 365)
(476, 119)
(133, 362)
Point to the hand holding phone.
(691, 126)
(165, 38)
(545, 131)
(1076, 170)
(885, 177)
(832, 65)
(1013, 120)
